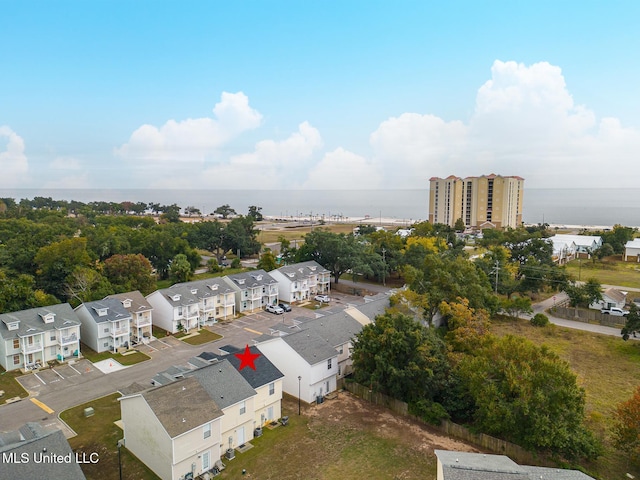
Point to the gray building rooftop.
(37, 320)
(310, 346)
(107, 310)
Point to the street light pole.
(119, 459)
(299, 378)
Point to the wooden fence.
(588, 316)
(485, 442)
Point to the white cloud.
(13, 161)
(65, 163)
(342, 169)
(525, 123)
(272, 164)
(170, 153)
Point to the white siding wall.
(188, 449)
(263, 401)
(88, 328)
(163, 314)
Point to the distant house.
(174, 429)
(611, 297)
(254, 290)
(579, 246)
(31, 338)
(306, 355)
(632, 250)
(141, 315)
(563, 251)
(302, 281)
(106, 325)
(175, 308)
(34, 452)
(479, 466)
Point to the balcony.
(118, 332)
(142, 322)
(34, 347)
(66, 340)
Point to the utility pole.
(495, 270)
(384, 267)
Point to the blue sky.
(319, 95)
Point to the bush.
(212, 266)
(539, 320)
(430, 412)
(235, 263)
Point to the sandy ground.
(347, 408)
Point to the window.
(16, 343)
(16, 359)
(329, 364)
(105, 344)
(106, 329)
(52, 336)
(272, 388)
(207, 430)
(243, 408)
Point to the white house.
(174, 429)
(231, 392)
(582, 245)
(254, 290)
(309, 363)
(564, 249)
(106, 325)
(141, 315)
(216, 299)
(175, 308)
(632, 250)
(611, 297)
(302, 281)
(31, 338)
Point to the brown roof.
(616, 295)
(182, 406)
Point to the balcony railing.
(118, 332)
(34, 347)
(65, 340)
(143, 322)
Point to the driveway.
(59, 378)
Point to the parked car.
(321, 298)
(285, 306)
(274, 309)
(615, 311)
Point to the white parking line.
(36, 375)
(57, 373)
(166, 344)
(75, 369)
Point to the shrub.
(430, 412)
(235, 263)
(539, 320)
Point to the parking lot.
(59, 377)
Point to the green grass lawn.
(608, 368)
(10, 385)
(205, 336)
(128, 359)
(158, 332)
(607, 272)
(100, 434)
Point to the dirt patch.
(349, 410)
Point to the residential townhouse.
(174, 429)
(106, 325)
(32, 451)
(309, 363)
(254, 290)
(176, 308)
(266, 380)
(231, 392)
(141, 315)
(580, 246)
(216, 299)
(301, 281)
(31, 338)
(632, 251)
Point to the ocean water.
(589, 207)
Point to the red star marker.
(247, 358)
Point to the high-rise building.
(488, 201)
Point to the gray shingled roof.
(302, 270)
(197, 407)
(115, 310)
(265, 372)
(310, 346)
(31, 321)
(38, 444)
(336, 329)
(374, 306)
(138, 302)
(185, 295)
(204, 287)
(252, 278)
(479, 466)
(223, 383)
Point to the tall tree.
(626, 429)
(401, 358)
(130, 272)
(632, 324)
(85, 285)
(180, 269)
(57, 261)
(267, 261)
(225, 211)
(336, 252)
(255, 213)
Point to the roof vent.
(184, 420)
